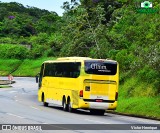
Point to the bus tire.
(44, 103)
(70, 109)
(97, 112)
(64, 104)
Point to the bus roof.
(73, 59)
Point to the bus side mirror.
(37, 77)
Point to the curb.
(133, 115)
(6, 82)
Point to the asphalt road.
(19, 105)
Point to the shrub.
(13, 51)
(148, 74)
(124, 59)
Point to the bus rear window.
(100, 67)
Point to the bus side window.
(75, 74)
(55, 73)
(65, 74)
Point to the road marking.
(34, 108)
(12, 91)
(15, 96)
(15, 115)
(44, 123)
(97, 121)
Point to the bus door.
(40, 76)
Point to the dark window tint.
(100, 67)
(41, 75)
(68, 69)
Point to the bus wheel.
(64, 104)
(44, 103)
(70, 109)
(97, 112)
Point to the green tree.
(85, 30)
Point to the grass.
(7, 66)
(30, 68)
(144, 106)
(138, 98)
(135, 87)
(5, 86)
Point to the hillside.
(114, 29)
(29, 27)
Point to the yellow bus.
(80, 83)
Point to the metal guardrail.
(6, 82)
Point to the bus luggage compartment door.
(100, 91)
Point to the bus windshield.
(100, 67)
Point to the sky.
(50, 5)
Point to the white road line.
(15, 96)
(18, 101)
(94, 121)
(34, 108)
(15, 115)
(12, 91)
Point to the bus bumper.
(97, 105)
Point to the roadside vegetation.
(30, 67)
(5, 86)
(94, 28)
(138, 97)
(26, 67)
(7, 66)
